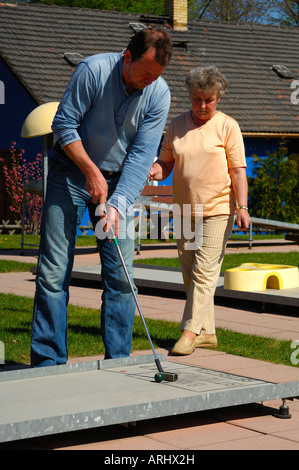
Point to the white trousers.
(201, 268)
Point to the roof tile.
(33, 39)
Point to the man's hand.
(97, 187)
(96, 184)
(109, 219)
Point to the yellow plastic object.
(250, 277)
(39, 121)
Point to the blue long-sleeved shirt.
(119, 132)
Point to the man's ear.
(127, 57)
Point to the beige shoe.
(202, 341)
(184, 346)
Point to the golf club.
(161, 375)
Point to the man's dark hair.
(158, 38)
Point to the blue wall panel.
(15, 105)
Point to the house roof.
(34, 39)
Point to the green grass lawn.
(84, 330)
(85, 335)
(230, 261)
(84, 324)
(8, 266)
(13, 242)
(234, 260)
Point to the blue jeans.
(65, 205)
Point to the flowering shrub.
(18, 172)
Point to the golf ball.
(158, 377)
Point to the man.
(108, 128)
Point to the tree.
(288, 11)
(155, 7)
(232, 11)
(273, 191)
(280, 12)
(283, 12)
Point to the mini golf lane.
(51, 400)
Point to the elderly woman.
(205, 147)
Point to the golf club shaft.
(136, 301)
(169, 376)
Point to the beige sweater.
(202, 157)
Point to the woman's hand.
(240, 188)
(160, 170)
(243, 219)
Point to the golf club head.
(170, 376)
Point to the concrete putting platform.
(170, 279)
(52, 400)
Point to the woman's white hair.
(206, 78)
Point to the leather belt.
(107, 174)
